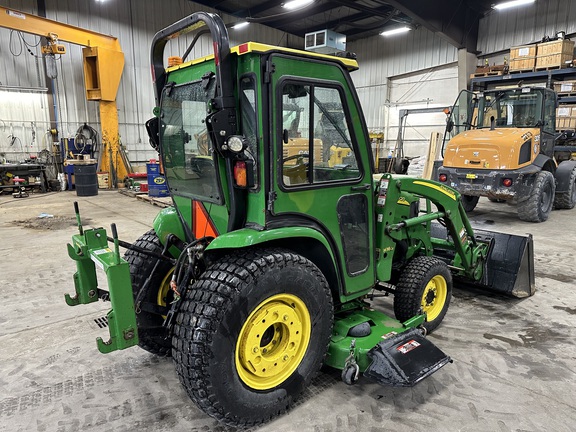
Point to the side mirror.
(153, 129)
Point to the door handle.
(363, 187)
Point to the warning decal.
(408, 346)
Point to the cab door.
(322, 162)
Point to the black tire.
(152, 336)
(215, 325)
(539, 204)
(423, 282)
(567, 200)
(469, 202)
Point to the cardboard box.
(555, 54)
(566, 117)
(565, 87)
(102, 180)
(522, 58)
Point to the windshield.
(186, 146)
(510, 108)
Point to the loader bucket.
(509, 267)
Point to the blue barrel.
(86, 180)
(157, 186)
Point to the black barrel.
(86, 180)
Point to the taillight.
(507, 182)
(240, 176)
(443, 178)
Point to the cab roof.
(255, 47)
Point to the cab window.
(317, 147)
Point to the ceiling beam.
(453, 20)
(301, 14)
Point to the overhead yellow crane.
(103, 64)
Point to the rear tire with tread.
(539, 204)
(152, 337)
(567, 200)
(218, 310)
(415, 289)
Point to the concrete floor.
(514, 360)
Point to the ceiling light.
(296, 4)
(395, 31)
(511, 4)
(240, 25)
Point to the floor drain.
(102, 322)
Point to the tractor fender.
(562, 176)
(545, 163)
(167, 222)
(247, 237)
(305, 241)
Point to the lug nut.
(285, 358)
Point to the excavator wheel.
(425, 285)
(469, 202)
(538, 206)
(251, 333)
(567, 200)
(152, 336)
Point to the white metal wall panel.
(381, 58)
(500, 30)
(433, 88)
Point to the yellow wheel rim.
(164, 290)
(434, 297)
(273, 341)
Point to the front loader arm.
(469, 253)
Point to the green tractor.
(266, 265)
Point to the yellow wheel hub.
(273, 341)
(434, 297)
(164, 290)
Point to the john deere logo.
(159, 180)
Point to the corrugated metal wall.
(382, 58)
(500, 30)
(134, 22)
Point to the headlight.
(236, 143)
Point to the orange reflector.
(243, 48)
(202, 225)
(446, 111)
(240, 173)
(507, 182)
(174, 61)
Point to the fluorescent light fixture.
(395, 31)
(512, 4)
(296, 4)
(240, 25)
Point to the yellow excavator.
(502, 144)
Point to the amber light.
(240, 173)
(443, 178)
(507, 182)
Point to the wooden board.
(433, 154)
(160, 202)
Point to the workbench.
(25, 171)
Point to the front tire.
(152, 336)
(469, 202)
(425, 285)
(251, 334)
(538, 206)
